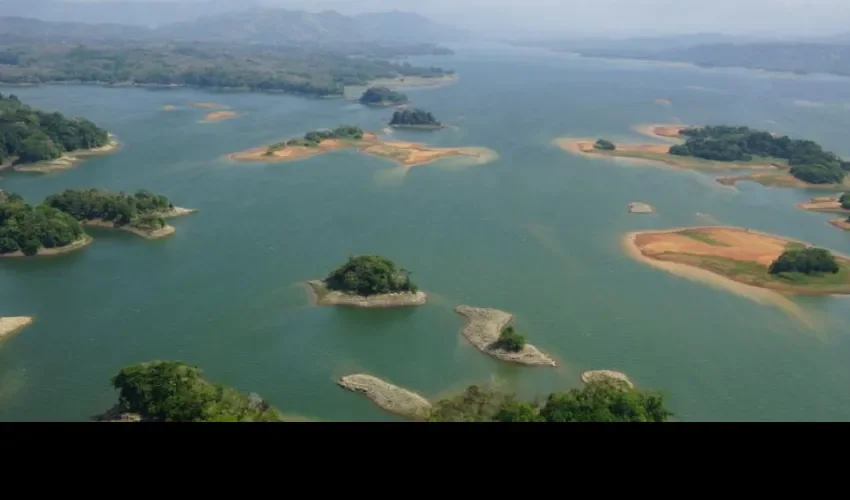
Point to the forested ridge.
(808, 161)
(28, 135)
(212, 65)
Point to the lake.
(536, 233)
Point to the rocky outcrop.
(483, 329)
(605, 375)
(389, 397)
(637, 207)
(327, 297)
(10, 325)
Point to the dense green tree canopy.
(238, 66)
(809, 162)
(806, 261)
(602, 401)
(314, 138)
(605, 145)
(28, 229)
(415, 118)
(510, 340)
(370, 275)
(28, 135)
(142, 209)
(845, 201)
(382, 96)
(173, 391)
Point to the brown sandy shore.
(841, 224)
(603, 375)
(664, 131)
(483, 328)
(218, 116)
(68, 160)
(205, 105)
(406, 154)
(46, 252)
(13, 324)
(826, 204)
(388, 397)
(322, 296)
(163, 232)
(781, 179)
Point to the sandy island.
(841, 224)
(323, 296)
(46, 252)
(605, 375)
(205, 105)
(12, 324)
(637, 207)
(826, 204)
(406, 154)
(483, 328)
(731, 254)
(389, 397)
(155, 234)
(218, 116)
(69, 160)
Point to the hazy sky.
(609, 17)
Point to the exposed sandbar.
(841, 224)
(637, 207)
(206, 105)
(218, 116)
(389, 397)
(664, 131)
(13, 324)
(326, 297)
(781, 179)
(154, 234)
(826, 204)
(46, 252)
(483, 328)
(605, 375)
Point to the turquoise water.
(537, 233)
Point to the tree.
(382, 96)
(510, 340)
(604, 145)
(845, 201)
(414, 118)
(370, 275)
(807, 261)
(142, 210)
(29, 228)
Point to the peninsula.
(36, 141)
(489, 331)
(190, 398)
(368, 281)
(388, 397)
(773, 160)
(406, 154)
(12, 324)
(743, 258)
(383, 97)
(27, 230)
(416, 119)
(143, 213)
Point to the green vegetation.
(370, 275)
(603, 401)
(806, 261)
(314, 138)
(414, 118)
(173, 391)
(510, 340)
(28, 229)
(604, 145)
(808, 161)
(28, 135)
(382, 96)
(142, 210)
(233, 66)
(845, 201)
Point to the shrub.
(510, 340)
(604, 145)
(806, 261)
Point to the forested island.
(383, 96)
(743, 257)
(209, 65)
(489, 330)
(598, 401)
(27, 230)
(142, 213)
(28, 135)
(414, 118)
(368, 281)
(173, 391)
(315, 138)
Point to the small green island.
(383, 96)
(174, 391)
(414, 118)
(368, 281)
(489, 330)
(603, 400)
(143, 213)
(33, 140)
(27, 230)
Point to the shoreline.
(218, 116)
(482, 329)
(325, 297)
(664, 131)
(81, 243)
(592, 376)
(13, 324)
(780, 179)
(148, 235)
(823, 204)
(388, 397)
(69, 159)
(840, 224)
